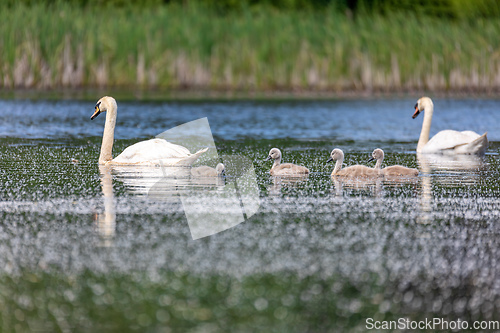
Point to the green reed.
(192, 46)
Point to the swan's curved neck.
(108, 136)
(426, 127)
(276, 162)
(338, 166)
(378, 165)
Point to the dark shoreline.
(219, 94)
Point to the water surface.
(319, 255)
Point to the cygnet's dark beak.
(371, 159)
(417, 111)
(330, 160)
(268, 158)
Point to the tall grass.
(176, 46)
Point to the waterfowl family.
(285, 169)
(394, 170)
(161, 152)
(206, 171)
(447, 141)
(149, 152)
(351, 171)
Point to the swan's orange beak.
(96, 113)
(417, 111)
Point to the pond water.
(91, 249)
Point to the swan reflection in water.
(425, 211)
(447, 171)
(158, 183)
(211, 204)
(453, 170)
(140, 180)
(106, 221)
(371, 184)
(440, 162)
(289, 181)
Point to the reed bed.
(173, 46)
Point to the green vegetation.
(251, 46)
(180, 302)
(177, 301)
(439, 8)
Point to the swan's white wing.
(151, 151)
(448, 140)
(471, 135)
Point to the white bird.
(206, 171)
(394, 170)
(149, 152)
(285, 169)
(447, 141)
(360, 171)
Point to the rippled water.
(319, 255)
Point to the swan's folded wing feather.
(359, 171)
(399, 170)
(293, 168)
(476, 146)
(285, 166)
(289, 169)
(151, 150)
(471, 135)
(449, 139)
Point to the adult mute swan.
(447, 141)
(149, 152)
(360, 171)
(285, 169)
(394, 170)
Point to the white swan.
(206, 171)
(285, 169)
(447, 141)
(393, 170)
(149, 152)
(360, 171)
